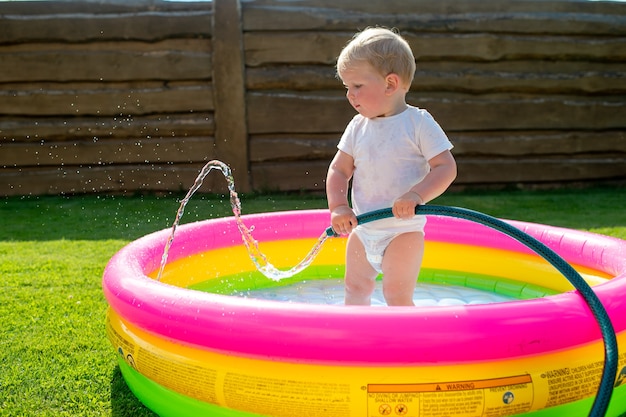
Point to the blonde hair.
(384, 49)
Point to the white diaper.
(377, 235)
(375, 243)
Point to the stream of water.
(256, 256)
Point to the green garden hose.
(605, 389)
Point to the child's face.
(367, 89)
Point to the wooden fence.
(137, 96)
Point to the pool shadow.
(123, 401)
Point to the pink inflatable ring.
(540, 354)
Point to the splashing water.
(257, 257)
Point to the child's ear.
(393, 83)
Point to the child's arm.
(342, 218)
(442, 173)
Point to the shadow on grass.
(123, 401)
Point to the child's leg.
(360, 279)
(401, 265)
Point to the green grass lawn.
(56, 360)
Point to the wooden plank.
(107, 151)
(522, 144)
(523, 76)
(105, 99)
(76, 26)
(523, 112)
(546, 77)
(467, 17)
(37, 129)
(263, 48)
(294, 112)
(530, 144)
(537, 170)
(228, 78)
(289, 176)
(39, 7)
(310, 175)
(105, 179)
(196, 45)
(492, 47)
(293, 147)
(292, 77)
(284, 112)
(171, 60)
(448, 7)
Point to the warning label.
(491, 398)
(571, 384)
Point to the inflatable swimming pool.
(189, 346)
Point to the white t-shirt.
(390, 155)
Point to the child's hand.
(343, 220)
(404, 207)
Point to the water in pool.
(330, 291)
